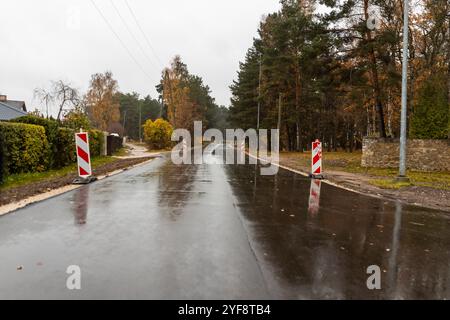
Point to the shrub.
(51, 131)
(96, 142)
(157, 134)
(65, 145)
(66, 153)
(24, 148)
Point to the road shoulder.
(18, 197)
(422, 196)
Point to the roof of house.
(8, 112)
(16, 104)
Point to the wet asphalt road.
(162, 231)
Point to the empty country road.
(210, 231)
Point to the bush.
(96, 142)
(51, 131)
(65, 145)
(66, 153)
(24, 148)
(157, 134)
(61, 140)
(34, 144)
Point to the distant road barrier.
(316, 163)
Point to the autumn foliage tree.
(187, 99)
(182, 111)
(102, 103)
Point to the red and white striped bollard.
(83, 159)
(316, 165)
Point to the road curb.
(375, 196)
(325, 180)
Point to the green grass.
(17, 180)
(383, 178)
(435, 180)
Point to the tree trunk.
(448, 66)
(297, 106)
(375, 79)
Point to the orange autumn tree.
(182, 108)
(102, 105)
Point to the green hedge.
(51, 131)
(24, 148)
(62, 140)
(96, 141)
(32, 144)
(65, 146)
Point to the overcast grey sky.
(53, 39)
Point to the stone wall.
(422, 155)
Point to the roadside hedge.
(96, 142)
(32, 144)
(24, 148)
(65, 148)
(51, 131)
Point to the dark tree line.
(134, 111)
(335, 79)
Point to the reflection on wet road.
(323, 252)
(221, 232)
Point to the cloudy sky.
(52, 39)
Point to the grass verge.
(380, 177)
(17, 180)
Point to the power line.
(143, 33)
(132, 34)
(120, 40)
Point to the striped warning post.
(316, 166)
(314, 197)
(83, 154)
